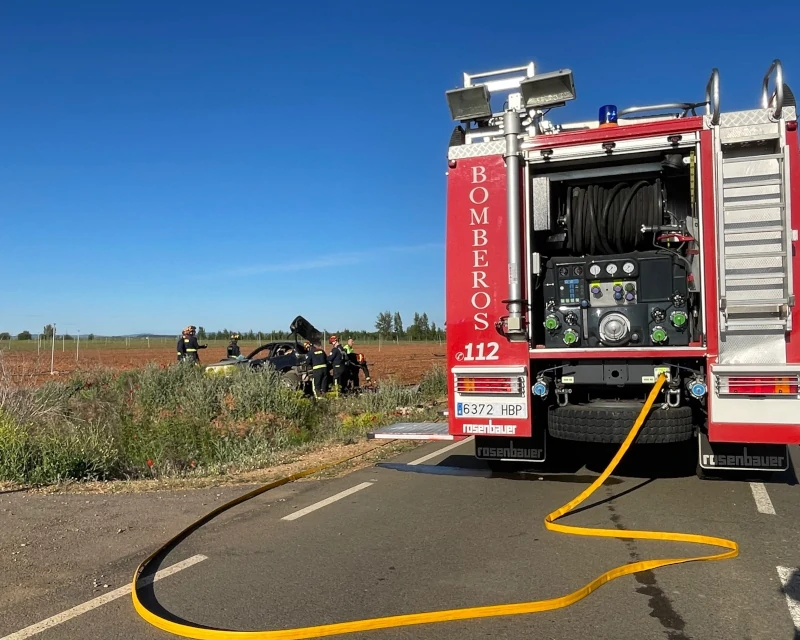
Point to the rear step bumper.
(433, 431)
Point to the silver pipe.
(512, 128)
(712, 97)
(778, 68)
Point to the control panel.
(637, 300)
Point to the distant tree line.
(47, 334)
(389, 326)
(249, 335)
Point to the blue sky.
(235, 164)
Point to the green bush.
(44, 454)
(434, 383)
(172, 421)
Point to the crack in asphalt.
(660, 605)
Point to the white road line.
(760, 495)
(59, 618)
(790, 579)
(440, 451)
(325, 502)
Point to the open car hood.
(305, 330)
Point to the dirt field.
(404, 362)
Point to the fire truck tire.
(609, 422)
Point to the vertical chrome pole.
(512, 128)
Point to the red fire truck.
(583, 259)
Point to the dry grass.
(175, 424)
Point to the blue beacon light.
(608, 115)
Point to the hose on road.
(205, 633)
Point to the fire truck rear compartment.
(616, 254)
(618, 244)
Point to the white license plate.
(491, 410)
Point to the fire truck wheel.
(610, 421)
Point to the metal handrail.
(778, 68)
(712, 96)
(686, 107)
(529, 69)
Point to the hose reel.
(602, 219)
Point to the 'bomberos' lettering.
(479, 222)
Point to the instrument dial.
(628, 267)
(563, 271)
(611, 269)
(594, 269)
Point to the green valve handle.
(678, 318)
(659, 335)
(570, 337)
(551, 323)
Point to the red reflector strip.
(489, 384)
(759, 385)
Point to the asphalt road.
(447, 533)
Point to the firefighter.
(319, 368)
(233, 347)
(341, 364)
(352, 372)
(191, 345)
(357, 363)
(361, 363)
(181, 347)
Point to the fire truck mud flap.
(504, 449)
(737, 456)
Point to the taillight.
(759, 385)
(489, 384)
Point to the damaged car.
(288, 357)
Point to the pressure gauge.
(594, 269)
(611, 269)
(628, 267)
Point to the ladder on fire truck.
(754, 233)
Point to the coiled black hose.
(604, 219)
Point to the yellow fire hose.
(188, 631)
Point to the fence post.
(53, 351)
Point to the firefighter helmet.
(235, 336)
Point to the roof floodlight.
(469, 103)
(548, 89)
